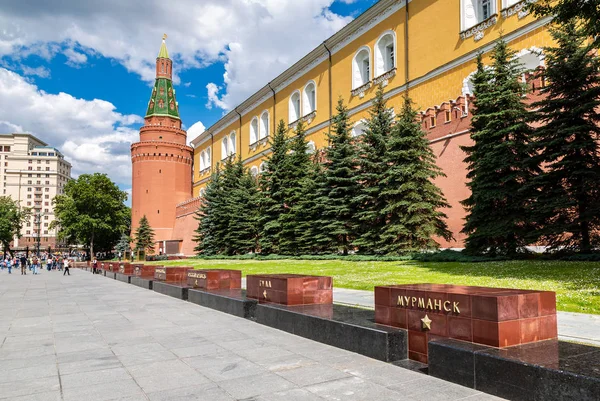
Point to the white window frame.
(380, 59)
(294, 115)
(225, 147)
(254, 124)
(311, 148)
(478, 10)
(353, 132)
(232, 144)
(202, 161)
(356, 67)
(306, 109)
(263, 126)
(254, 171)
(208, 163)
(509, 3)
(262, 167)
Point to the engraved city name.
(197, 275)
(265, 283)
(160, 271)
(428, 303)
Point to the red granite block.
(547, 303)
(530, 330)
(460, 328)
(382, 296)
(126, 268)
(417, 342)
(383, 315)
(529, 305)
(439, 324)
(172, 274)
(464, 303)
(508, 307)
(413, 318)
(548, 328)
(496, 334)
(399, 318)
(290, 289)
(416, 356)
(215, 279)
(144, 271)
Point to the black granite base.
(123, 277)
(111, 275)
(547, 370)
(345, 327)
(171, 290)
(233, 302)
(142, 282)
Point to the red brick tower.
(161, 160)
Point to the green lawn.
(577, 284)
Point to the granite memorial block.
(144, 271)
(173, 274)
(215, 279)
(126, 268)
(290, 289)
(497, 317)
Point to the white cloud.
(91, 133)
(195, 130)
(256, 39)
(40, 71)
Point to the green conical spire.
(162, 101)
(163, 53)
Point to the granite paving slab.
(81, 338)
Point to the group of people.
(34, 264)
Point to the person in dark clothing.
(23, 262)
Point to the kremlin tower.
(161, 161)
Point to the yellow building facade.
(425, 47)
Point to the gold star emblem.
(196, 282)
(265, 294)
(426, 323)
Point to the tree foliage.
(585, 13)
(12, 218)
(371, 146)
(500, 160)
(412, 201)
(92, 211)
(568, 197)
(124, 244)
(144, 236)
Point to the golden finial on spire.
(164, 36)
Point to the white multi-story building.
(33, 173)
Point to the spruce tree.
(211, 217)
(241, 208)
(124, 245)
(371, 147)
(297, 165)
(412, 200)
(144, 236)
(340, 186)
(499, 161)
(568, 201)
(312, 236)
(272, 182)
(586, 13)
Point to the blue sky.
(77, 73)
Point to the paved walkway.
(89, 338)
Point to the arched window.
(254, 130)
(359, 128)
(224, 148)
(202, 192)
(207, 158)
(202, 161)
(254, 171)
(263, 130)
(232, 143)
(385, 53)
(361, 67)
(310, 147)
(263, 167)
(309, 100)
(294, 113)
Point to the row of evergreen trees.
(533, 172)
(373, 194)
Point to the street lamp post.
(38, 223)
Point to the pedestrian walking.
(34, 263)
(23, 261)
(9, 265)
(66, 263)
(49, 263)
(95, 266)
